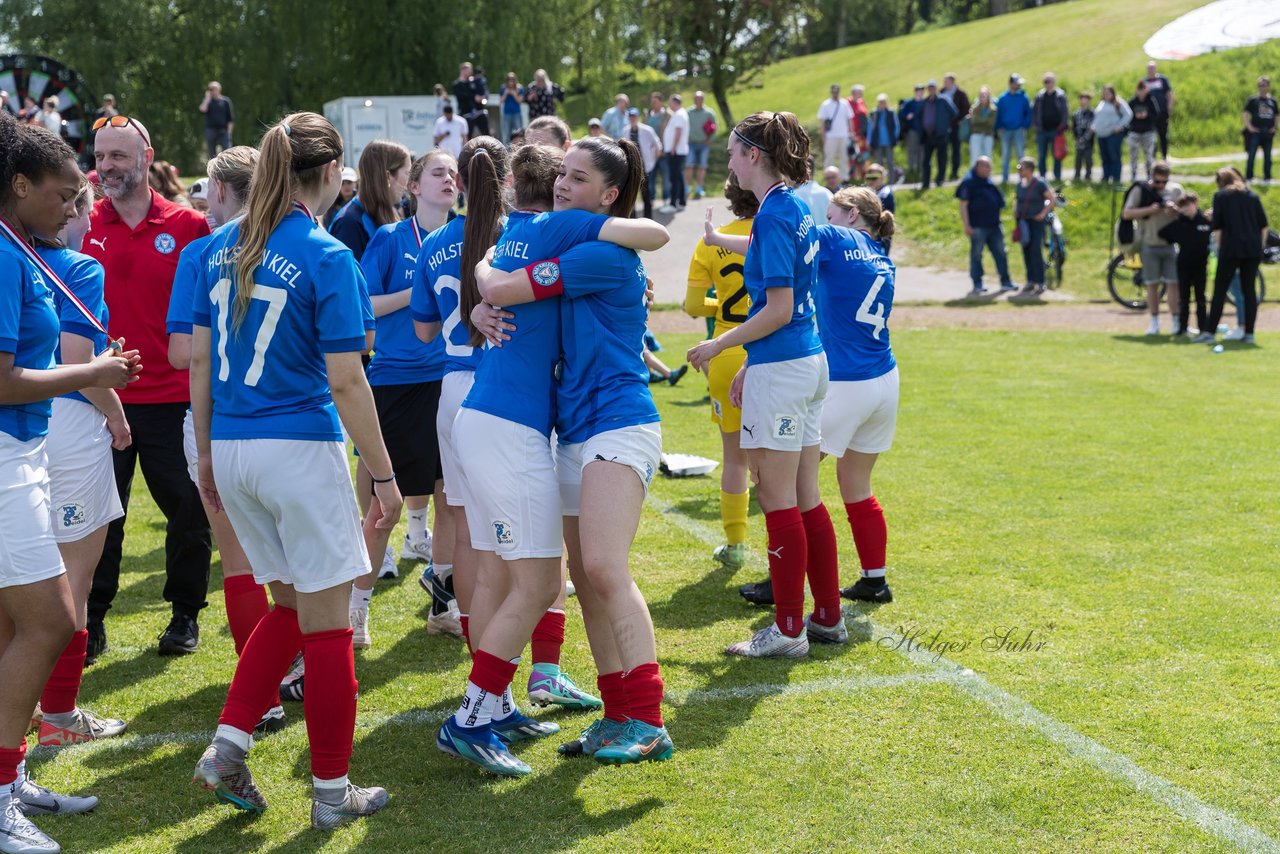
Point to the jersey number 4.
(875, 319)
(275, 298)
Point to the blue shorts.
(698, 154)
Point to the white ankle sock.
(360, 599)
(477, 707)
(238, 737)
(417, 523)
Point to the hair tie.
(288, 131)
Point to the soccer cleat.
(441, 591)
(446, 623)
(479, 746)
(360, 638)
(595, 736)
(416, 548)
(760, 593)
(551, 686)
(272, 721)
(678, 374)
(358, 803)
(770, 642)
(389, 568)
(731, 555)
(291, 686)
(34, 799)
(228, 778)
(638, 742)
(17, 834)
(863, 590)
(85, 727)
(819, 633)
(518, 726)
(182, 637)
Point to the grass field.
(1106, 495)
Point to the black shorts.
(407, 415)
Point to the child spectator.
(1082, 129)
(1190, 232)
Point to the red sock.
(10, 759)
(465, 619)
(788, 560)
(870, 533)
(643, 686)
(491, 673)
(263, 663)
(614, 693)
(60, 691)
(824, 566)
(246, 605)
(548, 637)
(330, 701)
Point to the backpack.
(1125, 234)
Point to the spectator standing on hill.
(909, 130)
(656, 119)
(858, 141)
(614, 120)
(1013, 117)
(541, 95)
(1190, 232)
(959, 100)
(451, 132)
(1259, 128)
(511, 97)
(816, 196)
(835, 125)
(1240, 226)
(882, 132)
(675, 144)
(1049, 115)
(1151, 206)
(1082, 132)
(1162, 93)
(982, 127)
(1034, 199)
(878, 180)
(980, 204)
(1110, 123)
(1142, 129)
(936, 114)
(219, 119)
(650, 152)
(702, 128)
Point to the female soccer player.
(39, 183)
(855, 297)
(784, 380)
(405, 375)
(275, 362)
(609, 442)
(502, 435)
(721, 269)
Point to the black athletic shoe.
(760, 593)
(864, 591)
(182, 637)
(677, 374)
(97, 642)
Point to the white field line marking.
(1211, 819)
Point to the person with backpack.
(1148, 207)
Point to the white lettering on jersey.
(282, 267)
(812, 253)
(444, 253)
(511, 249)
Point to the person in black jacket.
(1240, 227)
(960, 100)
(1049, 116)
(1190, 232)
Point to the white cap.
(200, 189)
(348, 174)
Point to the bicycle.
(1124, 281)
(1055, 244)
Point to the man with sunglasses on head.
(219, 118)
(138, 236)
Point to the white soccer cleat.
(416, 548)
(17, 834)
(447, 622)
(360, 638)
(770, 642)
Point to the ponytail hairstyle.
(484, 163)
(534, 169)
(742, 203)
(419, 166)
(234, 168)
(780, 138)
(876, 221)
(28, 150)
(621, 165)
(378, 160)
(294, 154)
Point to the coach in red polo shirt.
(138, 235)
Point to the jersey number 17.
(275, 298)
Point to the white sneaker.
(1236, 334)
(34, 799)
(389, 568)
(667, 209)
(17, 834)
(416, 548)
(360, 628)
(770, 642)
(1154, 328)
(447, 622)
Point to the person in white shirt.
(451, 132)
(646, 139)
(675, 144)
(835, 119)
(816, 196)
(50, 117)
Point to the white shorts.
(189, 448)
(638, 447)
(453, 390)
(28, 552)
(81, 474)
(860, 415)
(293, 509)
(782, 404)
(513, 499)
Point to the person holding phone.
(219, 118)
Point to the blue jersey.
(855, 296)
(29, 330)
(85, 277)
(782, 255)
(268, 376)
(517, 380)
(604, 384)
(389, 265)
(178, 319)
(436, 297)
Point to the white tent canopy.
(1217, 26)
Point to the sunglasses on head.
(120, 121)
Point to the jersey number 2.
(275, 298)
(726, 308)
(875, 319)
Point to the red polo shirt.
(140, 263)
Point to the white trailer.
(407, 119)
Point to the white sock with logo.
(477, 707)
(417, 523)
(360, 599)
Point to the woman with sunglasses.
(784, 380)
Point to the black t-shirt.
(464, 94)
(1159, 90)
(1240, 217)
(1050, 118)
(1191, 236)
(1262, 112)
(1145, 111)
(219, 114)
